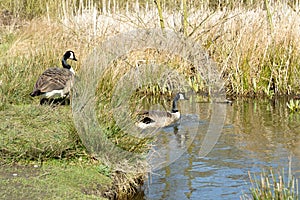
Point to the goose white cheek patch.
(181, 96)
(72, 55)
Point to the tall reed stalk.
(160, 14)
(184, 18)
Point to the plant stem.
(184, 21)
(161, 19)
(269, 15)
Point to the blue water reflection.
(257, 135)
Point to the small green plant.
(105, 170)
(270, 186)
(293, 105)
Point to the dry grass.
(256, 59)
(256, 54)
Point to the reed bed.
(269, 185)
(255, 47)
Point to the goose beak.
(75, 59)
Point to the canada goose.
(56, 82)
(156, 118)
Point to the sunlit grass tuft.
(272, 186)
(293, 105)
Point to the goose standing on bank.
(155, 118)
(56, 82)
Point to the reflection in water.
(256, 135)
(172, 142)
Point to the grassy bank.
(41, 149)
(254, 45)
(76, 179)
(35, 132)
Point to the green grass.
(46, 136)
(293, 105)
(56, 179)
(38, 132)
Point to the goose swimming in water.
(155, 118)
(56, 82)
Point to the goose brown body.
(56, 82)
(156, 118)
(53, 79)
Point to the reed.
(293, 105)
(272, 186)
(160, 13)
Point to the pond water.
(257, 135)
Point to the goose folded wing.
(154, 114)
(49, 83)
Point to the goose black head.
(69, 55)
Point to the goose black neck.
(65, 64)
(174, 106)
